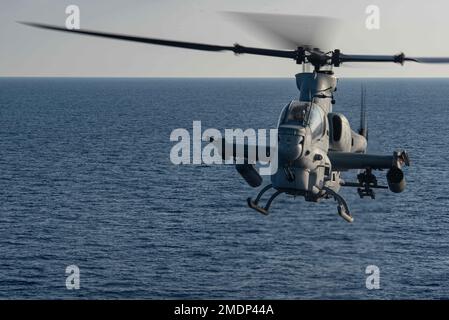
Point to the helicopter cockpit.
(294, 113)
(302, 113)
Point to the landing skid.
(254, 204)
(343, 209)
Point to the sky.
(417, 28)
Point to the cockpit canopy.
(296, 113)
(303, 113)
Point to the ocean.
(86, 180)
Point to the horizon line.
(212, 77)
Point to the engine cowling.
(359, 143)
(340, 137)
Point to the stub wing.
(243, 151)
(245, 156)
(342, 161)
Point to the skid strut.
(254, 204)
(343, 209)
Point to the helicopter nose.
(290, 147)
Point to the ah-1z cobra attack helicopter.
(315, 144)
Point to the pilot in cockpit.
(297, 113)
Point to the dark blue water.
(86, 179)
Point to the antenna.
(363, 130)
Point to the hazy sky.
(415, 27)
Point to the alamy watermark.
(73, 21)
(372, 21)
(72, 281)
(373, 279)
(236, 147)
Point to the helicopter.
(315, 144)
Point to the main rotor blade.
(367, 58)
(399, 58)
(429, 59)
(237, 49)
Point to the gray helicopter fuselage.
(307, 131)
